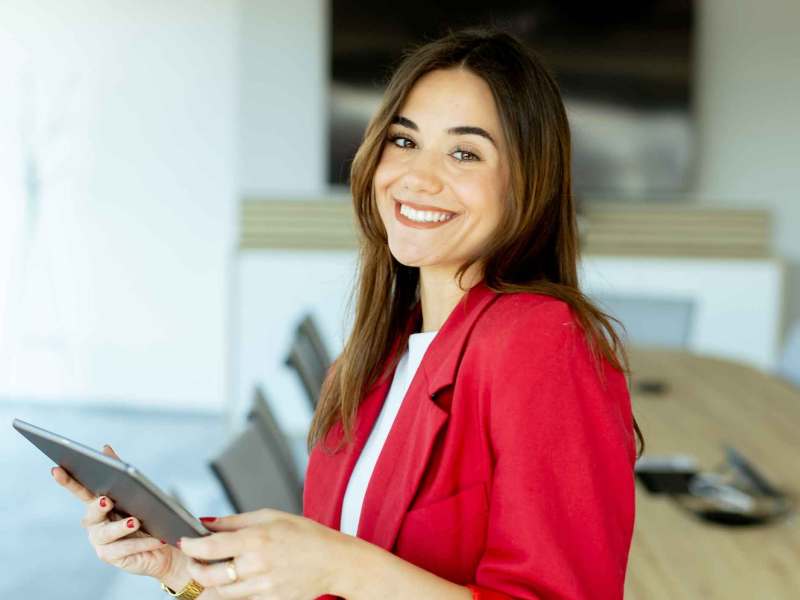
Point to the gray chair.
(650, 321)
(261, 414)
(309, 358)
(253, 475)
(789, 364)
(308, 328)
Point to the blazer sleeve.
(562, 497)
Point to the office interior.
(177, 251)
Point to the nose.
(422, 176)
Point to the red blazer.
(509, 467)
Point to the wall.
(120, 292)
(747, 89)
(283, 98)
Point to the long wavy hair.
(533, 249)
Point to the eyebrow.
(460, 130)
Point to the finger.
(226, 544)
(241, 520)
(97, 511)
(65, 480)
(110, 451)
(246, 588)
(120, 549)
(105, 533)
(216, 574)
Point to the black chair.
(309, 358)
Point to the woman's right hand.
(114, 540)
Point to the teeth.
(423, 216)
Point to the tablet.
(132, 493)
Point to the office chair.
(276, 440)
(308, 328)
(660, 322)
(789, 365)
(309, 359)
(253, 475)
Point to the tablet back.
(132, 493)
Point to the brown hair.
(534, 248)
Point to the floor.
(44, 550)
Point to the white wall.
(124, 294)
(747, 90)
(284, 63)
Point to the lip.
(427, 225)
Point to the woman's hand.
(117, 540)
(276, 555)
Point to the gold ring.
(231, 568)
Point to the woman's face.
(443, 172)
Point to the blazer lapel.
(328, 473)
(406, 452)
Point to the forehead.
(452, 97)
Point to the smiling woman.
(475, 435)
(475, 438)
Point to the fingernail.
(53, 471)
(130, 523)
(208, 519)
(162, 541)
(178, 543)
(103, 501)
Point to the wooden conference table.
(711, 401)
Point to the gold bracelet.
(189, 592)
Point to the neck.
(439, 294)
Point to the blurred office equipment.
(789, 366)
(309, 358)
(253, 475)
(661, 322)
(735, 493)
(711, 404)
(625, 71)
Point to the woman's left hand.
(276, 555)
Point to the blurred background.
(177, 249)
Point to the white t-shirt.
(357, 485)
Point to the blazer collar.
(444, 354)
(405, 454)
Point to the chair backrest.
(789, 365)
(309, 358)
(309, 329)
(274, 437)
(661, 322)
(253, 475)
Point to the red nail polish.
(129, 523)
(162, 541)
(103, 502)
(208, 519)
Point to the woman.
(474, 439)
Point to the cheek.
(483, 203)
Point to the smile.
(421, 217)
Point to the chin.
(408, 258)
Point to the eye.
(394, 138)
(474, 156)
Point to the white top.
(357, 485)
